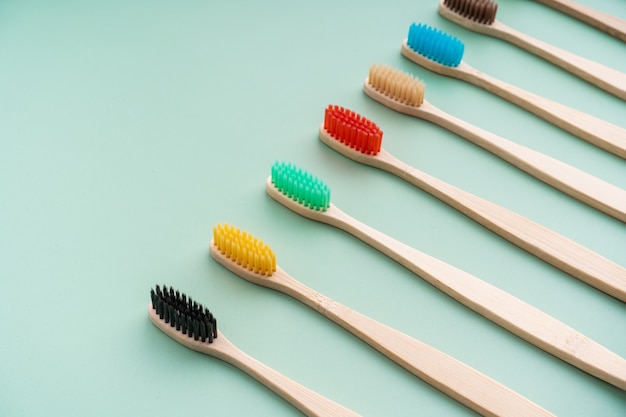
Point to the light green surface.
(129, 129)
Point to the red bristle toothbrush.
(559, 251)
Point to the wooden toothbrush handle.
(540, 241)
(570, 180)
(454, 378)
(592, 129)
(597, 74)
(309, 402)
(509, 312)
(606, 78)
(610, 24)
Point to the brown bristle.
(352, 129)
(480, 11)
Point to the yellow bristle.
(244, 249)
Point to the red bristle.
(352, 129)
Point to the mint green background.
(129, 128)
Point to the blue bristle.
(435, 45)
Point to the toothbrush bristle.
(397, 85)
(479, 11)
(302, 187)
(435, 45)
(184, 314)
(244, 249)
(352, 129)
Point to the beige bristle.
(397, 85)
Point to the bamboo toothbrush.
(557, 250)
(308, 196)
(195, 327)
(253, 260)
(443, 54)
(480, 16)
(612, 25)
(590, 190)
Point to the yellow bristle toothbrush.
(252, 260)
(559, 251)
(195, 327)
(480, 16)
(610, 24)
(309, 196)
(443, 54)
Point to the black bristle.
(189, 327)
(183, 323)
(181, 312)
(154, 299)
(160, 308)
(209, 328)
(195, 329)
(177, 319)
(202, 331)
(166, 312)
(172, 316)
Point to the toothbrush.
(195, 327)
(251, 259)
(612, 25)
(480, 16)
(544, 243)
(443, 54)
(590, 190)
(308, 196)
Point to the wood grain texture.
(610, 24)
(509, 312)
(559, 251)
(454, 378)
(596, 131)
(307, 401)
(608, 79)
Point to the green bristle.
(301, 186)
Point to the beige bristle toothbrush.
(251, 259)
(402, 92)
(480, 16)
(308, 196)
(610, 24)
(578, 184)
(443, 54)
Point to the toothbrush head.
(352, 129)
(435, 45)
(300, 186)
(182, 318)
(478, 11)
(244, 249)
(391, 86)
